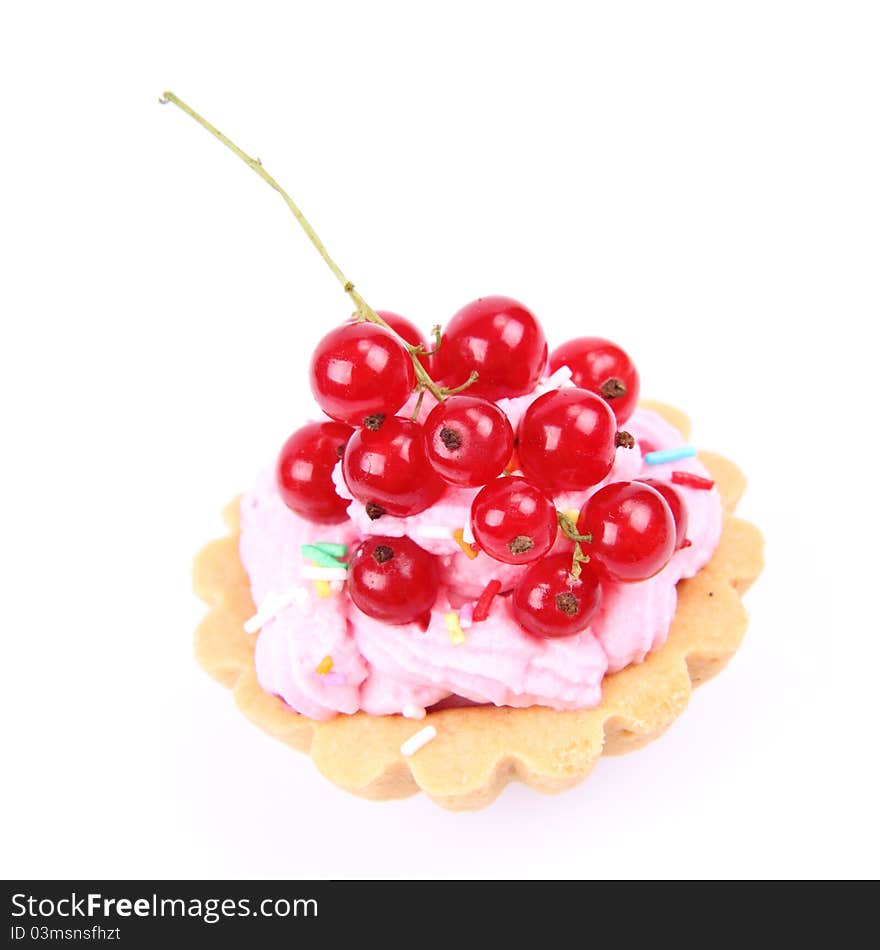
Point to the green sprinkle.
(331, 548)
(312, 552)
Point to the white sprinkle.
(466, 616)
(433, 532)
(421, 738)
(411, 711)
(313, 573)
(557, 379)
(273, 604)
(467, 533)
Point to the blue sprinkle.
(670, 455)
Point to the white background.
(698, 181)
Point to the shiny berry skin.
(513, 520)
(566, 440)
(393, 579)
(359, 370)
(469, 440)
(601, 367)
(548, 602)
(677, 506)
(632, 528)
(388, 469)
(407, 330)
(499, 338)
(304, 469)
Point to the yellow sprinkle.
(468, 549)
(456, 634)
(572, 514)
(325, 665)
(322, 588)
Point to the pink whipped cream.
(384, 669)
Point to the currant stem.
(418, 406)
(465, 385)
(437, 337)
(364, 309)
(569, 529)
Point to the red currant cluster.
(363, 373)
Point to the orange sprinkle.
(513, 465)
(325, 665)
(471, 550)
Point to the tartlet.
(478, 750)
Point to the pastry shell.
(478, 750)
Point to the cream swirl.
(382, 669)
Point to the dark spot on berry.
(374, 422)
(340, 450)
(520, 544)
(623, 440)
(567, 603)
(373, 510)
(613, 388)
(711, 593)
(382, 553)
(451, 439)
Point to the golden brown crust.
(478, 750)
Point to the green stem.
(465, 385)
(363, 307)
(569, 529)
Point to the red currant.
(304, 468)
(500, 339)
(407, 330)
(393, 579)
(549, 602)
(513, 520)
(360, 371)
(601, 367)
(469, 440)
(567, 440)
(673, 498)
(387, 469)
(632, 528)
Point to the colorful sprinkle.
(670, 455)
(692, 481)
(471, 550)
(467, 532)
(273, 604)
(313, 553)
(312, 573)
(322, 589)
(456, 634)
(421, 738)
(332, 548)
(484, 603)
(556, 379)
(324, 667)
(411, 711)
(466, 616)
(572, 514)
(513, 465)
